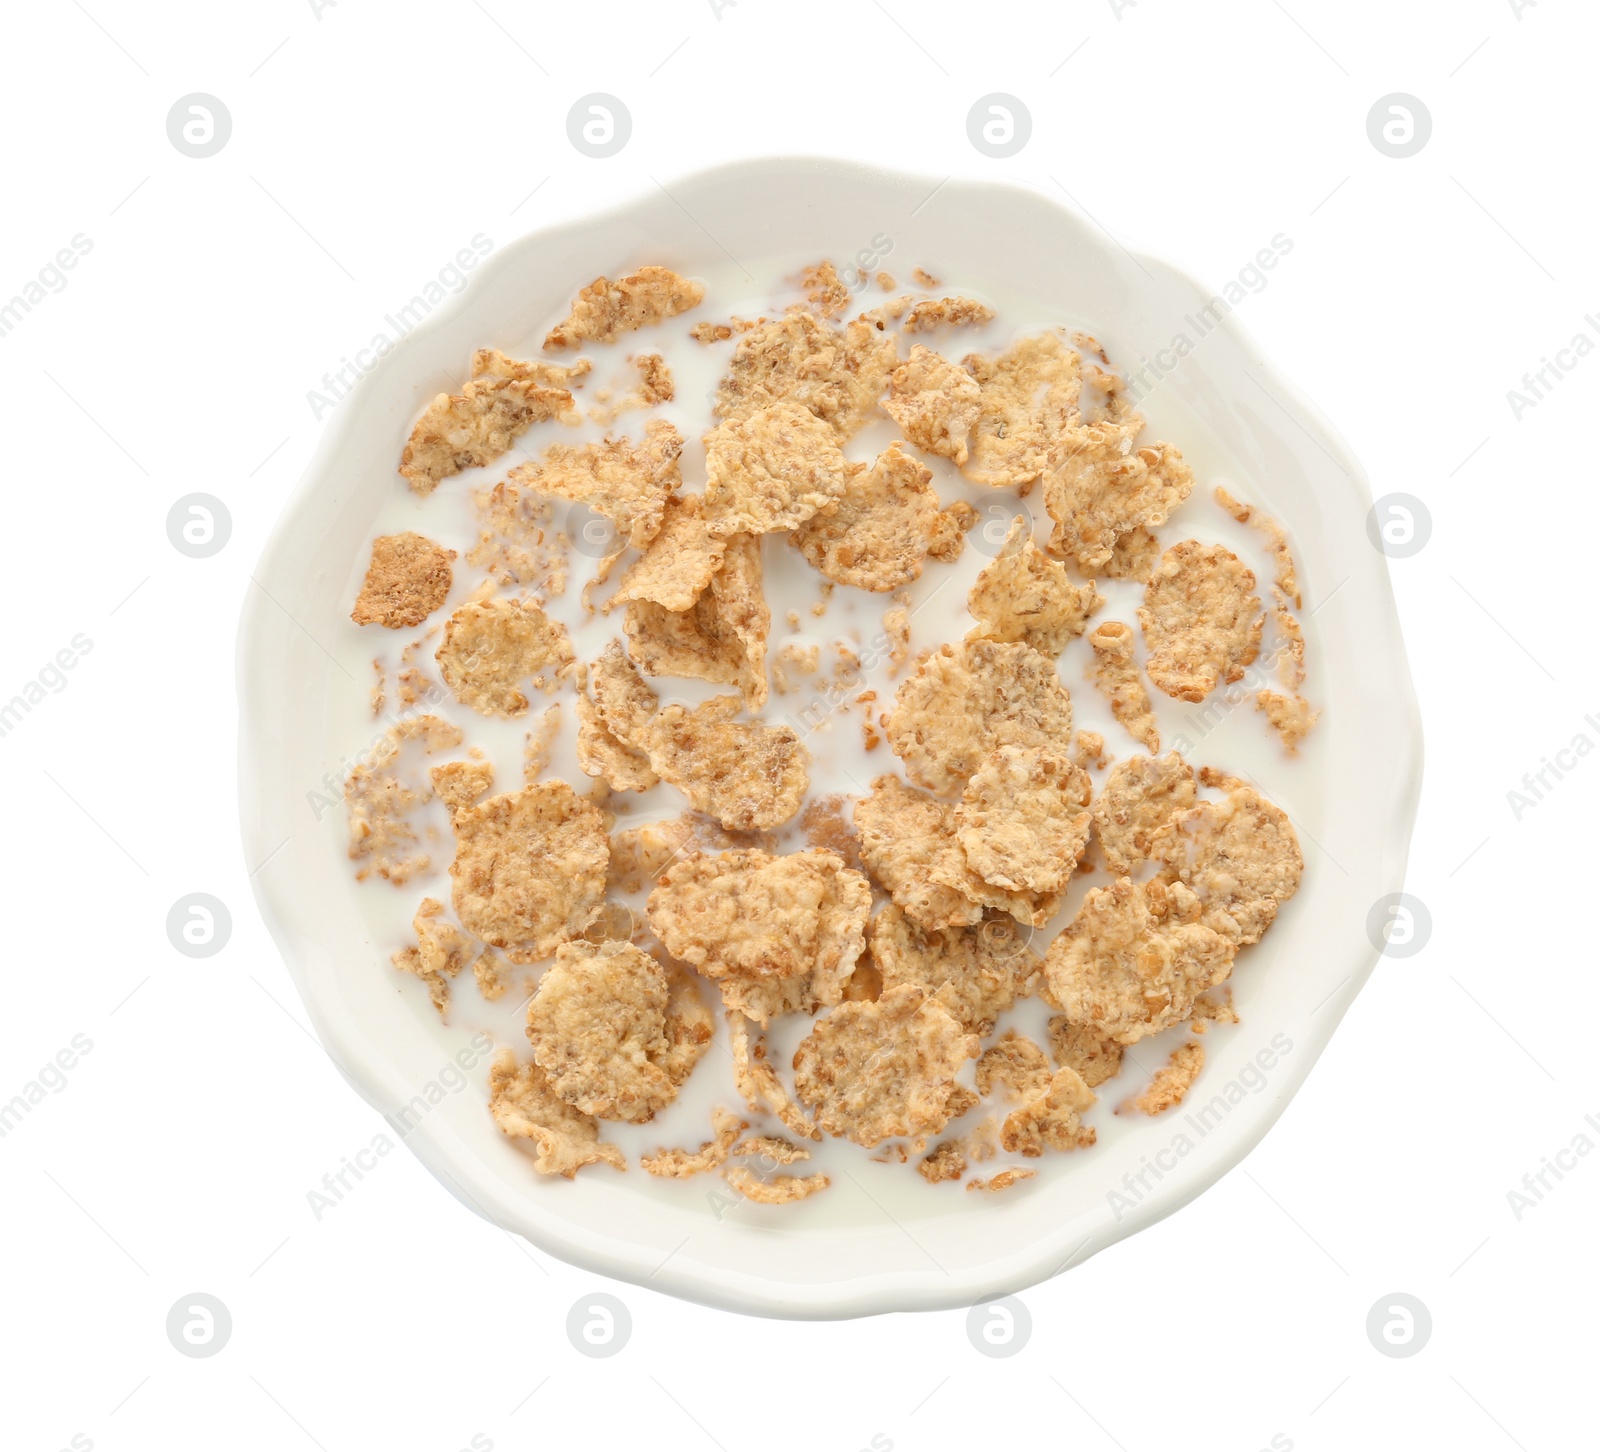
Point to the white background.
(369, 144)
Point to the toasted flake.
(1079, 1048)
(406, 582)
(770, 469)
(745, 774)
(776, 1190)
(946, 1161)
(627, 704)
(1025, 595)
(530, 869)
(950, 531)
(934, 402)
(678, 563)
(1004, 1179)
(1140, 797)
(1133, 556)
(518, 542)
(973, 972)
(875, 1070)
(1239, 855)
(538, 743)
(1134, 959)
(964, 700)
(598, 1029)
(490, 647)
(604, 310)
(629, 483)
(601, 754)
(1290, 716)
(1024, 820)
(879, 535)
(754, 1078)
(499, 403)
(837, 375)
(954, 312)
(380, 794)
(1105, 488)
(722, 637)
(783, 932)
(679, 1164)
(493, 974)
(460, 783)
(1167, 1089)
(656, 384)
(524, 1106)
(772, 1148)
(1202, 619)
(1051, 1119)
(1027, 406)
(442, 950)
(1116, 673)
(1016, 1064)
(904, 834)
(1273, 532)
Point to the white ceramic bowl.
(852, 1254)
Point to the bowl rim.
(432, 1140)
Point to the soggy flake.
(1105, 488)
(530, 869)
(1024, 595)
(1023, 820)
(1290, 716)
(601, 754)
(771, 1147)
(605, 310)
(1273, 533)
(1202, 619)
(755, 1080)
(975, 973)
(826, 826)
(1291, 647)
(460, 783)
(1212, 1008)
(627, 482)
(680, 1164)
(1050, 1119)
(782, 934)
(1116, 673)
(538, 744)
(777, 1190)
(1014, 1063)
(598, 1026)
(837, 375)
(946, 1161)
(1140, 797)
(954, 312)
(1089, 749)
(406, 582)
(1240, 856)
(935, 403)
(795, 658)
(965, 700)
(897, 636)
(871, 1071)
(721, 638)
(490, 647)
(826, 294)
(656, 384)
(771, 469)
(1079, 1048)
(501, 401)
(442, 950)
(745, 774)
(381, 793)
(1004, 1179)
(1133, 557)
(904, 834)
(678, 563)
(639, 855)
(525, 1107)
(518, 542)
(1166, 1090)
(880, 533)
(1134, 959)
(1027, 405)
(626, 703)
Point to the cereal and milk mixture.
(646, 798)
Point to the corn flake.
(1105, 488)
(406, 582)
(1202, 620)
(904, 834)
(523, 1105)
(1024, 820)
(604, 310)
(880, 533)
(1024, 595)
(745, 774)
(442, 951)
(490, 647)
(755, 1080)
(975, 973)
(679, 1164)
(678, 563)
(935, 403)
(380, 796)
(1167, 1089)
(1140, 797)
(776, 1190)
(1027, 406)
(1116, 673)
(1079, 1048)
(771, 469)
